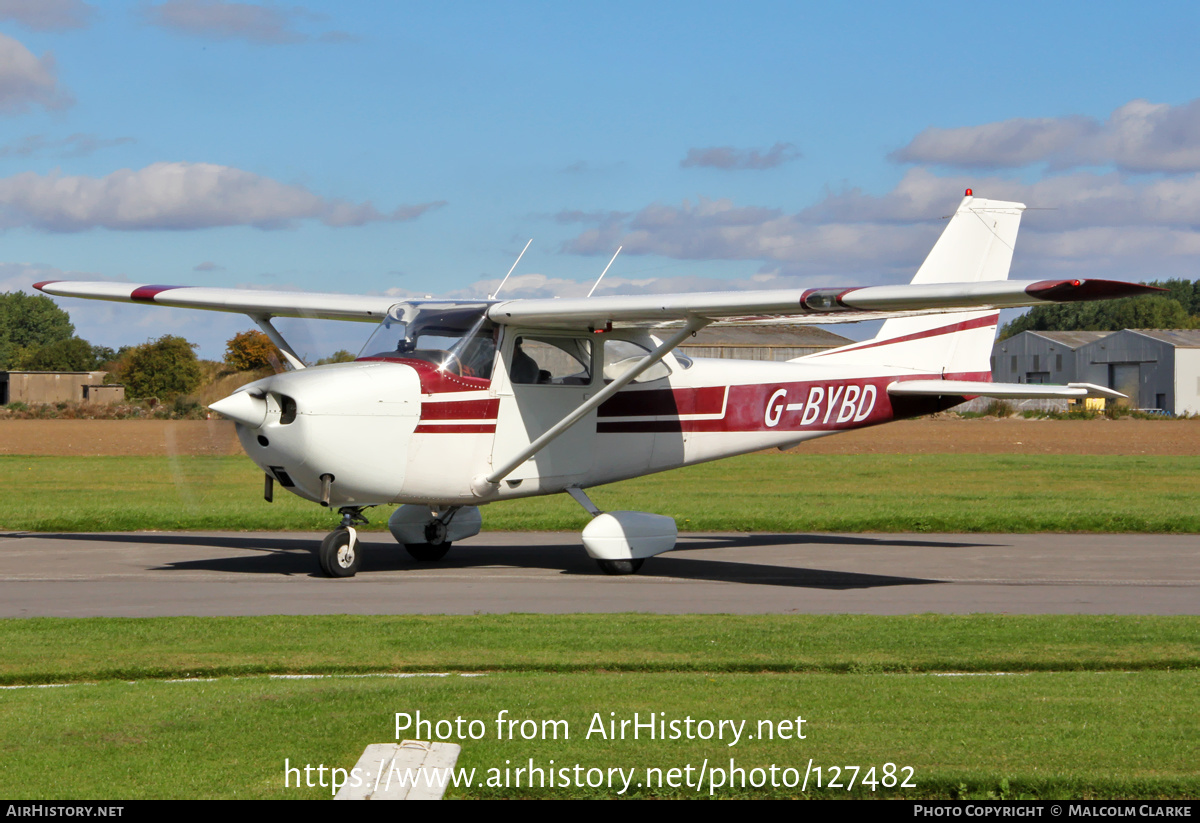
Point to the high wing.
(825, 305)
(365, 308)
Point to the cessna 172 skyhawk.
(453, 404)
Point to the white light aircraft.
(455, 404)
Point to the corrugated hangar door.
(1124, 377)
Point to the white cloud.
(1071, 201)
(1085, 224)
(221, 20)
(47, 15)
(26, 80)
(719, 230)
(727, 157)
(1138, 137)
(177, 196)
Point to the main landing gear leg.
(340, 554)
(620, 566)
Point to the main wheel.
(427, 552)
(620, 566)
(339, 554)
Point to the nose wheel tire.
(620, 566)
(427, 552)
(340, 553)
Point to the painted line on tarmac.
(252, 677)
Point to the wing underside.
(815, 306)
(365, 308)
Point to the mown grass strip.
(1048, 735)
(760, 492)
(52, 650)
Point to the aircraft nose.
(350, 421)
(243, 407)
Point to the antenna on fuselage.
(606, 268)
(510, 271)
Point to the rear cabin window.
(622, 355)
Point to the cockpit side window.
(553, 361)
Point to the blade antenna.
(510, 271)
(606, 268)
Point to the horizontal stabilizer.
(972, 388)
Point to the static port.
(263, 441)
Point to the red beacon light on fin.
(969, 193)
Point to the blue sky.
(387, 147)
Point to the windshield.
(452, 336)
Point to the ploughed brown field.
(942, 435)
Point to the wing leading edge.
(825, 305)
(364, 308)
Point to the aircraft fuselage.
(395, 430)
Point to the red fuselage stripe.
(977, 323)
(461, 410)
(458, 428)
(706, 400)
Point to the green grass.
(42, 650)
(761, 492)
(1103, 707)
(1075, 707)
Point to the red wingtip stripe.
(1079, 290)
(38, 286)
(148, 293)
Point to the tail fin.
(976, 245)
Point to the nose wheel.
(340, 554)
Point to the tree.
(339, 356)
(28, 323)
(249, 351)
(165, 368)
(72, 354)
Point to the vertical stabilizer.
(976, 245)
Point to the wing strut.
(483, 485)
(264, 323)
